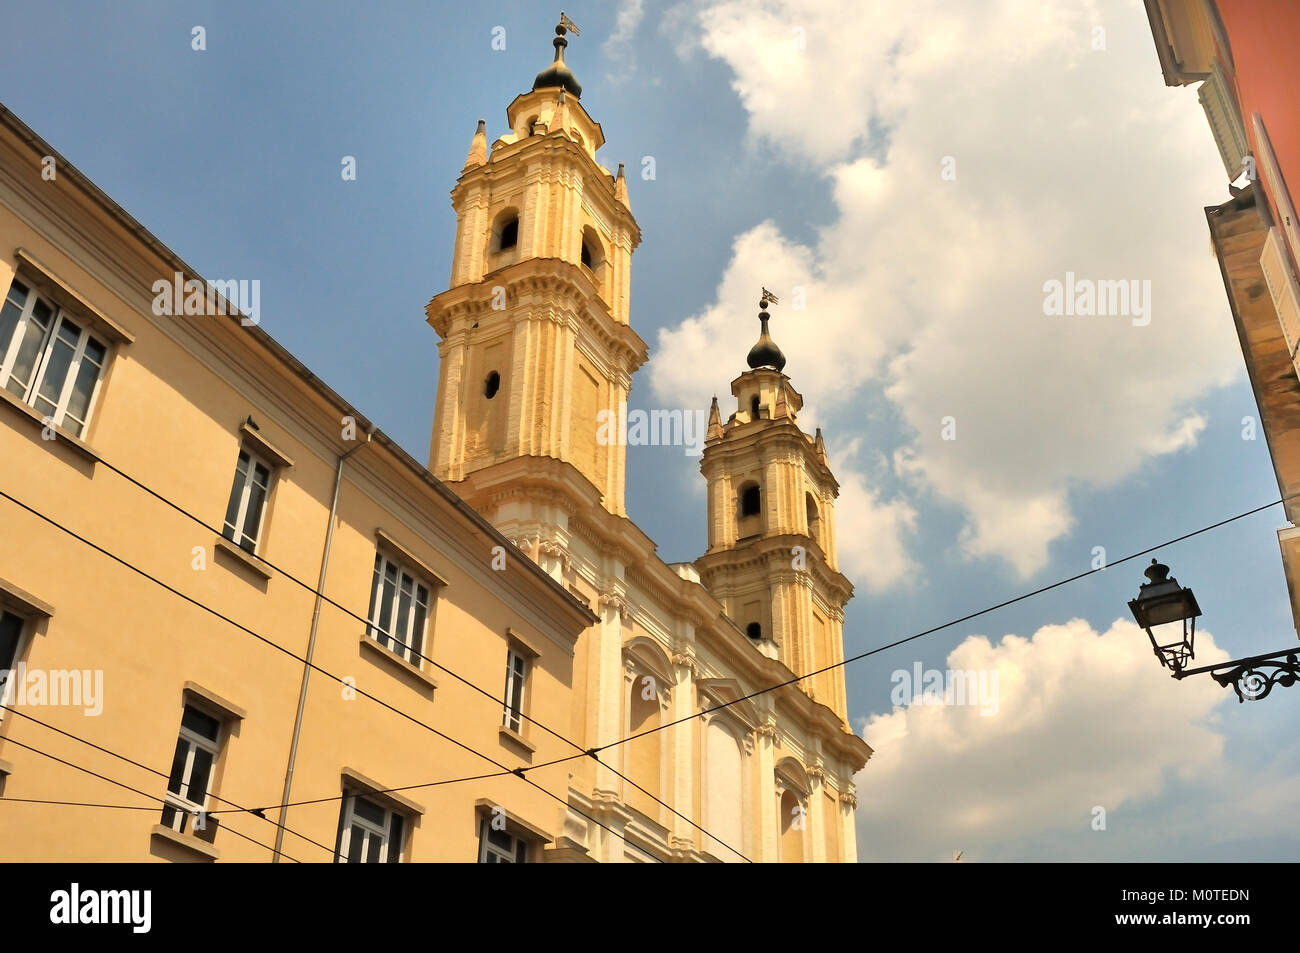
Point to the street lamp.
(1162, 604)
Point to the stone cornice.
(453, 312)
(767, 438)
(686, 660)
(558, 500)
(767, 551)
(615, 601)
(556, 153)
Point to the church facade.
(321, 649)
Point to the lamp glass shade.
(1160, 611)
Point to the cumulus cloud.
(1082, 720)
(870, 532)
(1067, 159)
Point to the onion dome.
(765, 353)
(559, 74)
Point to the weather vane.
(569, 25)
(769, 298)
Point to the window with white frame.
(49, 359)
(369, 832)
(500, 846)
(197, 749)
(247, 500)
(399, 609)
(517, 665)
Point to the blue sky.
(787, 136)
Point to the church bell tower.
(771, 559)
(534, 337)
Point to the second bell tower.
(534, 338)
(772, 556)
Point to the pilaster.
(769, 821)
(817, 818)
(684, 756)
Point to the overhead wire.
(519, 772)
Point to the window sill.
(6, 768)
(245, 558)
(512, 739)
(202, 850)
(64, 437)
(400, 665)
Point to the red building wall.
(1265, 39)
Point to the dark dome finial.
(765, 353)
(558, 73)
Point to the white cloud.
(618, 49)
(1082, 721)
(870, 533)
(931, 292)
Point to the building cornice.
(764, 552)
(764, 437)
(456, 311)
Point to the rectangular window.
(369, 833)
(197, 748)
(48, 359)
(399, 609)
(500, 846)
(11, 631)
(516, 677)
(247, 502)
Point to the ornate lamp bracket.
(1253, 678)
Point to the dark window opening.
(500, 847)
(754, 631)
(491, 385)
(369, 833)
(505, 232)
(510, 234)
(11, 628)
(753, 407)
(586, 254)
(750, 501)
